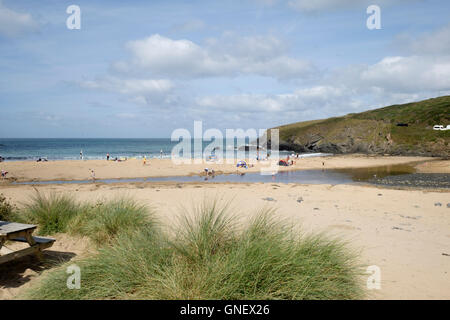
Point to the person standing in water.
(107, 157)
(161, 154)
(81, 154)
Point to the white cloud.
(391, 80)
(399, 74)
(14, 23)
(165, 57)
(243, 103)
(436, 42)
(130, 86)
(323, 100)
(140, 91)
(407, 74)
(315, 102)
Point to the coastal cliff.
(398, 130)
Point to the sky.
(141, 69)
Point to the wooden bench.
(44, 242)
(22, 233)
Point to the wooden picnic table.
(23, 233)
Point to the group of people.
(4, 173)
(290, 161)
(144, 158)
(115, 159)
(210, 172)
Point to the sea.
(20, 149)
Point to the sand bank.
(80, 170)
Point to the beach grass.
(211, 254)
(7, 210)
(52, 213)
(103, 221)
(100, 221)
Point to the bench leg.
(30, 238)
(32, 242)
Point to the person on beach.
(161, 154)
(81, 154)
(92, 175)
(107, 157)
(4, 173)
(144, 161)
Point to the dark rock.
(418, 180)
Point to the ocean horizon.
(23, 149)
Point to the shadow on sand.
(16, 273)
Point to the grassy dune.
(376, 131)
(208, 254)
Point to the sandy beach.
(133, 168)
(406, 233)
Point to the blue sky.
(145, 68)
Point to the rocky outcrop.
(355, 145)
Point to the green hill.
(382, 130)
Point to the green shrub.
(211, 256)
